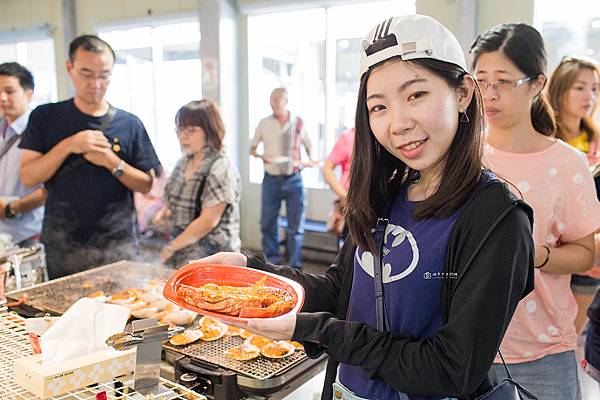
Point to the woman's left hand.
(281, 328)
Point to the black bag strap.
(8, 145)
(382, 320)
(198, 202)
(80, 160)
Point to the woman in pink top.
(340, 155)
(573, 94)
(509, 63)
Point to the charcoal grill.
(219, 378)
(56, 296)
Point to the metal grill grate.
(14, 344)
(57, 296)
(258, 368)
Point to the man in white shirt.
(282, 135)
(20, 207)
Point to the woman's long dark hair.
(376, 176)
(524, 46)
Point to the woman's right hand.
(224, 257)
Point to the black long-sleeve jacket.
(491, 248)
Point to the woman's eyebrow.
(402, 87)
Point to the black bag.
(508, 389)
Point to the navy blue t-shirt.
(413, 268)
(86, 204)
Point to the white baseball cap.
(410, 37)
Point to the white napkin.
(82, 330)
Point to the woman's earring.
(463, 117)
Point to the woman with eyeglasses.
(573, 94)
(509, 63)
(202, 194)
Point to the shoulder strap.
(382, 321)
(8, 145)
(198, 202)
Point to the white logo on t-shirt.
(400, 235)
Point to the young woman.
(509, 63)
(203, 192)
(456, 253)
(573, 94)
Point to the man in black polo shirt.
(91, 157)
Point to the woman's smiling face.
(413, 113)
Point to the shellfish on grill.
(243, 352)
(212, 329)
(188, 336)
(258, 341)
(277, 349)
(122, 298)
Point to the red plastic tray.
(198, 274)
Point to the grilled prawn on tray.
(232, 293)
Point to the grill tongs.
(147, 335)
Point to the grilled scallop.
(212, 329)
(174, 315)
(277, 349)
(233, 331)
(245, 333)
(122, 298)
(243, 352)
(188, 336)
(258, 341)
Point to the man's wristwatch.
(119, 169)
(8, 213)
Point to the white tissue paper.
(82, 330)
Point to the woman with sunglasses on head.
(202, 194)
(509, 63)
(452, 243)
(573, 94)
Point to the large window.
(158, 70)
(38, 57)
(315, 54)
(569, 30)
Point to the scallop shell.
(179, 316)
(124, 297)
(258, 341)
(188, 336)
(243, 352)
(233, 331)
(278, 349)
(212, 329)
(245, 333)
